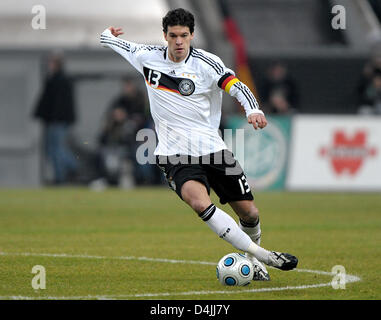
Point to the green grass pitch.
(134, 244)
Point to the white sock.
(260, 253)
(226, 228)
(253, 230)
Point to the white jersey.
(185, 97)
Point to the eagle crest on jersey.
(186, 87)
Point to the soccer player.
(185, 87)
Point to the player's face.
(179, 40)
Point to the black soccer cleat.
(260, 273)
(282, 261)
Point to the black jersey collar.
(190, 51)
(186, 60)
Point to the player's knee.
(250, 214)
(195, 195)
(198, 205)
(254, 213)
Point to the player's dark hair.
(178, 17)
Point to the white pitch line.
(167, 294)
(82, 256)
(349, 279)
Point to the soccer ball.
(234, 269)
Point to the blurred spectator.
(126, 115)
(369, 88)
(115, 137)
(133, 102)
(279, 94)
(56, 109)
(370, 66)
(371, 97)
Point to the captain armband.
(227, 81)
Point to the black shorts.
(219, 171)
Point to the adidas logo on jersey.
(173, 72)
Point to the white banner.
(335, 153)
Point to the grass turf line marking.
(349, 279)
(83, 256)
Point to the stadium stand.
(285, 24)
(299, 33)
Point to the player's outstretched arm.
(127, 49)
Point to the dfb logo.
(348, 153)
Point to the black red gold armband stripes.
(226, 81)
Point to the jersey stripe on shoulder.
(214, 64)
